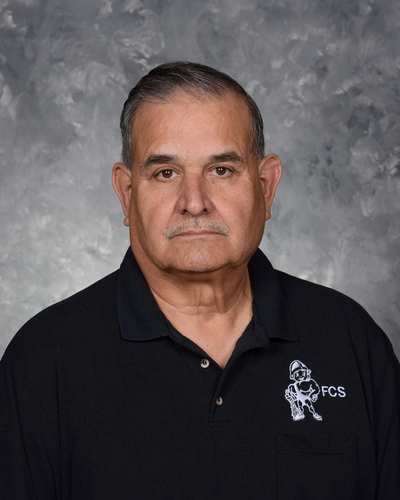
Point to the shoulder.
(321, 309)
(66, 322)
(318, 301)
(307, 292)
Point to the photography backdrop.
(324, 73)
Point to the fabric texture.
(100, 397)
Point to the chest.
(165, 421)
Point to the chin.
(198, 261)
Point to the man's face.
(196, 201)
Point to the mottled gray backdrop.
(324, 73)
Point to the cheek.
(150, 214)
(248, 208)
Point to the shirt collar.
(140, 317)
(272, 308)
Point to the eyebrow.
(229, 156)
(158, 159)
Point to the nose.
(194, 198)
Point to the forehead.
(193, 125)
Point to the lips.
(197, 233)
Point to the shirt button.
(204, 363)
(219, 401)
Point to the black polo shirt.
(101, 398)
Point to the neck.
(211, 309)
(205, 295)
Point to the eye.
(166, 174)
(222, 171)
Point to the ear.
(270, 171)
(121, 181)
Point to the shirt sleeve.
(29, 438)
(387, 430)
(379, 372)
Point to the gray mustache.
(196, 223)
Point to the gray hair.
(192, 78)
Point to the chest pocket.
(316, 467)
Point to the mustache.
(196, 223)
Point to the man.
(169, 378)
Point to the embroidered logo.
(303, 392)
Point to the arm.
(29, 441)
(387, 430)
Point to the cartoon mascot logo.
(303, 392)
